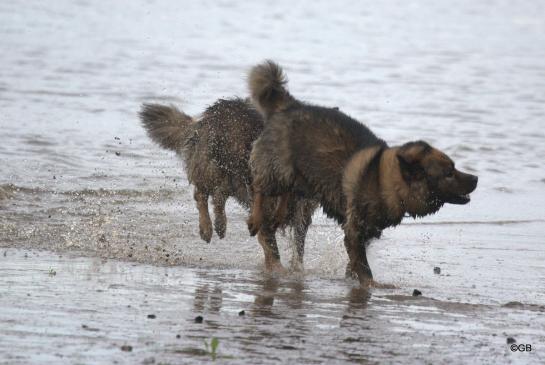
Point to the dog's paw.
(349, 273)
(275, 267)
(206, 233)
(253, 225)
(220, 228)
(296, 266)
(376, 284)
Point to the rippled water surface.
(83, 192)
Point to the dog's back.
(305, 146)
(215, 148)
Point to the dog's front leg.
(355, 247)
(267, 240)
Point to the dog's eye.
(450, 173)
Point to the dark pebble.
(152, 316)
(118, 153)
(416, 293)
(126, 348)
(511, 340)
(241, 313)
(513, 305)
(437, 270)
(199, 319)
(87, 328)
(178, 336)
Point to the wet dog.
(215, 149)
(323, 154)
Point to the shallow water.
(78, 175)
(84, 310)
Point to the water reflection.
(208, 298)
(358, 299)
(264, 299)
(286, 320)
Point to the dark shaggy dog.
(215, 149)
(360, 181)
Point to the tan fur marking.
(413, 154)
(354, 170)
(437, 156)
(256, 214)
(400, 197)
(205, 224)
(394, 189)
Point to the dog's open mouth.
(459, 199)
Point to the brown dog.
(323, 154)
(215, 149)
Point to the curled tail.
(166, 125)
(267, 84)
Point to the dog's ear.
(410, 156)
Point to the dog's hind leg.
(267, 240)
(281, 210)
(299, 235)
(205, 224)
(220, 219)
(256, 214)
(301, 221)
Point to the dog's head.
(431, 179)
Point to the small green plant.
(52, 272)
(213, 347)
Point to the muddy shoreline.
(73, 309)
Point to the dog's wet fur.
(323, 154)
(215, 149)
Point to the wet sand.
(84, 310)
(72, 309)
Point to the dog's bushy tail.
(267, 84)
(166, 125)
